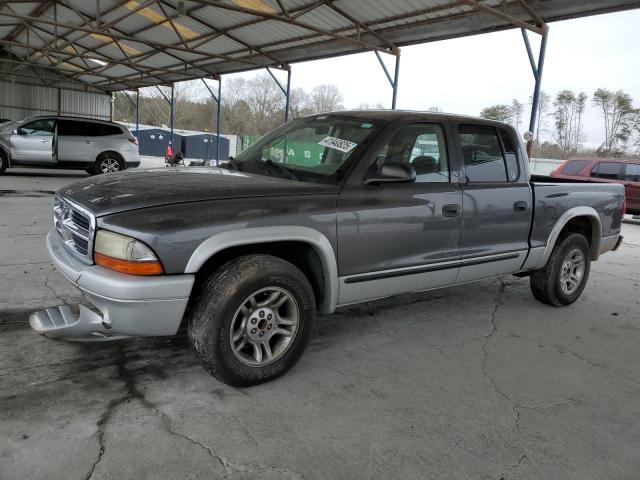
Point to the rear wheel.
(565, 275)
(108, 163)
(251, 319)
(4, 162)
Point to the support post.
(218, 100)
(135, 105)
(171, 121)
(537, 74)
(138, 115)
(286, 91)
(396, 75)
(287, 95)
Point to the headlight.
(125, 254)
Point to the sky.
(467, 74)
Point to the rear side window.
(608, 170)
(572, 167)
(101, 130)
(71, 128)
(632, 173)
(483, 158)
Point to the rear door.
(496, 204)
(632, 186)
(76, 143)
(401, 237)
(33, 142)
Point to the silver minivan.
(67, 142)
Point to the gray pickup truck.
(325, 211)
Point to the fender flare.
(596, 232)
(249, 236)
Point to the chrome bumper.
(126, 305)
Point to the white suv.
(67, 142)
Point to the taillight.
(133, 140)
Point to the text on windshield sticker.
(337, 144)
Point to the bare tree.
(618, 115)
(568, 110)
(500, 113)
(517, 109)
(325, 98)
(370, 106)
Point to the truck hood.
(142, 188)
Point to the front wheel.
(565, 275)
(251, 319)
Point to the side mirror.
(391, 173)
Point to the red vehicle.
(608, 170)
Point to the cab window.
(484, 160)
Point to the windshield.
(311, 149)
(9, 126)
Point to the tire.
(223, 308)
(4, 162)
(558, 283)
(107, 163)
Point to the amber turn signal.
(125, 266)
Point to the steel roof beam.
(294, 22)
(504, 16)
(160, 47)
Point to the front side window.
(314, 149)
(483, 158)
(423, 146)
(42, 127)
(632, 173)
(608, 170)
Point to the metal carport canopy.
(126, 44)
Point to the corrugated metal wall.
(21, 97)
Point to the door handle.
(451, 210)
(89, 142)
(43, 140)
(520, 207)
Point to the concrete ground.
(477, 382)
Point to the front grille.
(76, 227)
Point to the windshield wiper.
(282, 168)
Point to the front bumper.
(125, 305)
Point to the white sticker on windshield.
(337, 144)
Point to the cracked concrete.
(478, 381)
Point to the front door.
(401, 237)
(496, 203)
(33, 142)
